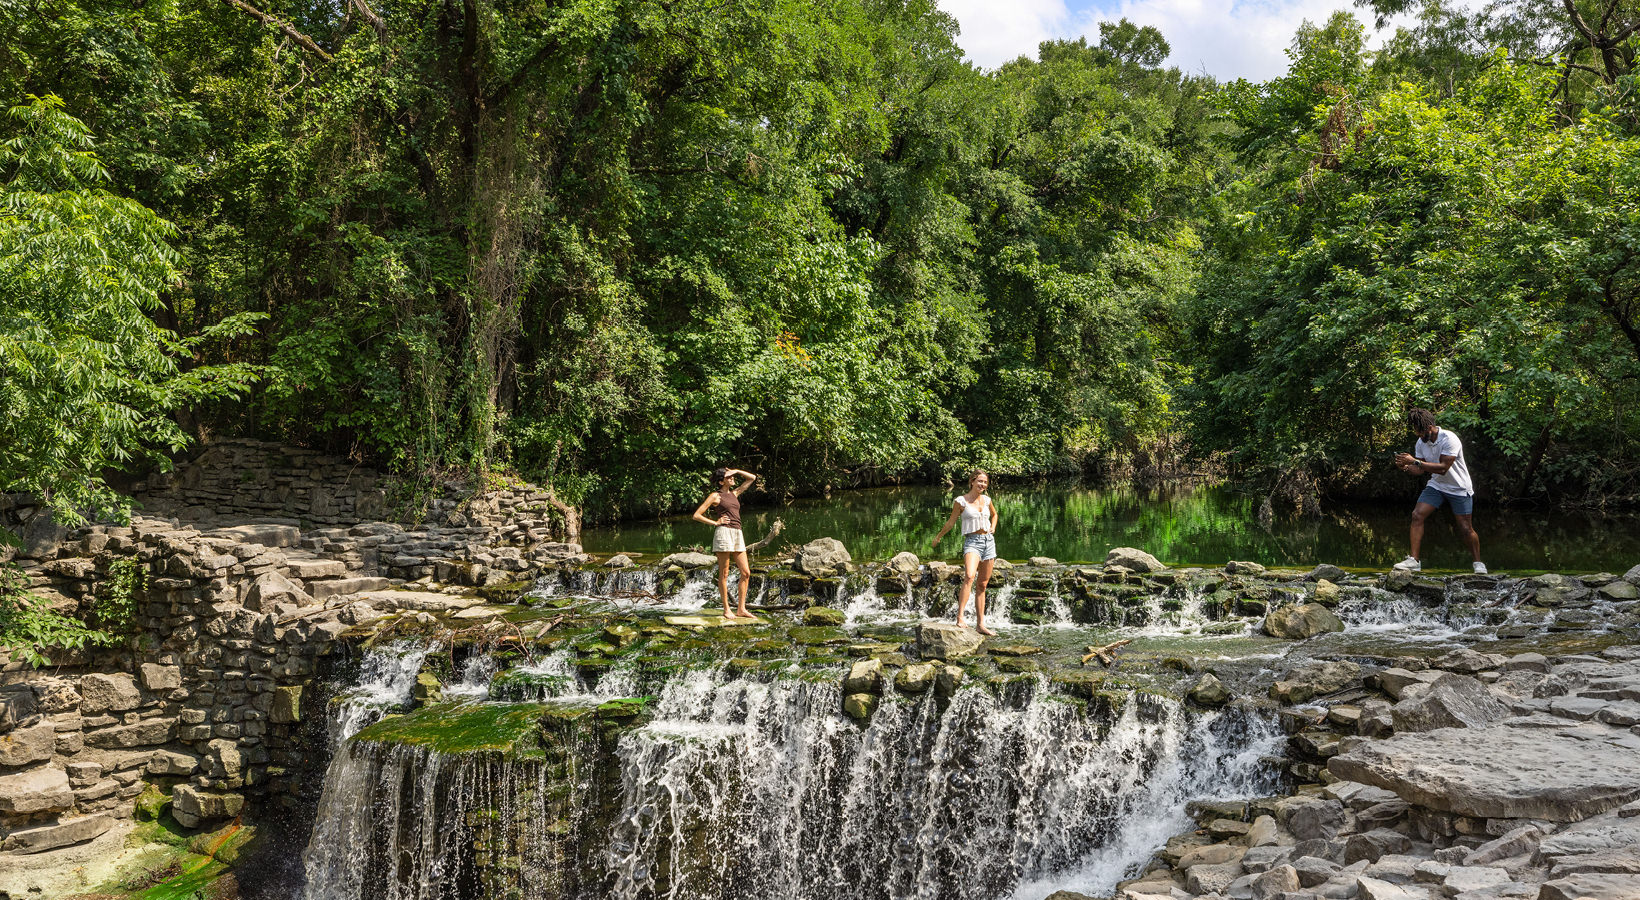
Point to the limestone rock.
(50, 837)
(859, 706)
(1327, 594)
(41, 789)
(823, 615)
(145, 733)
(193, 805)
(1209, 879)
(28, 745)
(1275, 882)
(287, 704)
(915, 678)
(270, 589)
(1236, 567)
(864, 677)
(160, 678)
(1209, 691)
(905, 564)
(1263, 833)
(1501, 771)
(689, 560)
(1452, 701)
(1515, 842)
(1373, 889)
(947, 679)
(1319, 819)
(1299, 622)
(822, 558)
(1133, 559)
(171, 762)
(943, 640)
(1591, 887)
(1327, 572)
(619, 561)
(1372, 845)
(101, 692)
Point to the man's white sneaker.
(1410, 564)
(1480, 568)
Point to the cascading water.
(753, 789)
(749, 788)
(387, 677)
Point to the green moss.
(623, 708)
(508, 728)
(818, 634)
(507, 592)
(152, 803)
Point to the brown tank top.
(728, 509)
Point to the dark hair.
(718, 474)
(1421, 420)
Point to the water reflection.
(1180, 524)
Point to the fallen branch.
(1106, 654)
(774, 530)
(287, 29)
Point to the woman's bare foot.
(743, 614)
(727, 614)
(961, 623)
(983, 630)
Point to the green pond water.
(1183, 525)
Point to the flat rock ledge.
(1514, 769)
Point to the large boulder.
(101, 692)
(1502, 771)
(864, 677)
(823, 558)
(1133, 558)
(904, 564)
(1299, 622)
(1452, 701)
(943, 640)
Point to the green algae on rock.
(511, 729)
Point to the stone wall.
(236, 478)
(205, 699)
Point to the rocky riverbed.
(1342, 733)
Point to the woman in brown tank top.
(728, 542)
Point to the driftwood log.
(1106, 654)
(774, 530)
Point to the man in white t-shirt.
(1439, 454)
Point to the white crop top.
(975, 516)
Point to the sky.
(1227, 39)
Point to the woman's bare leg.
(970, 562)
(745, 580)
(723, 581)
(984, 578)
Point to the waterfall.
(387, 677)
(752, 789)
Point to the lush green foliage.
(609, 244)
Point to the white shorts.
(728, 540)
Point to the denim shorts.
(983, 544)
(1462, 504)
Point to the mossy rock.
(506, 592)
(227, 844)
(743, 665)
(823, 615)
(588, 664)
(811, 635)
(1017, 664)
(623, 708)
(769, 646)
(152, 803)
(511, 729)
(516, 684)
(1083, 684)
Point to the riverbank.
(585, 682)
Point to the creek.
(1182, 524)
(641, 749)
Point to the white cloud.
(1228, 39)
(995, 32)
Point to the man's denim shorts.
(1462, 504)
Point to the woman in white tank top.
(979, 545)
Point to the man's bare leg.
(1420, 514)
